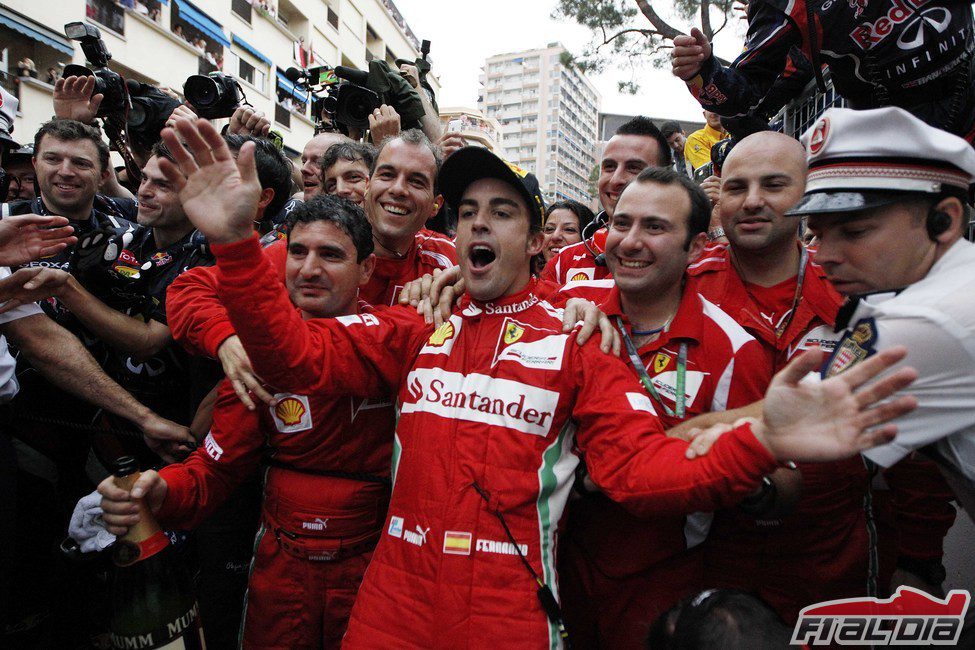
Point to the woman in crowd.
(564, 223)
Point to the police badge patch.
(855, 346)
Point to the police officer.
(887, 197)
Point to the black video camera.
(347, 102)
(213, 96)
(110, 84)
(151, 108)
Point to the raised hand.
(248, 121)
(73, 99)
(835, 418)
(27, 237)
(384, 123)
(689, 54)
(219, 194)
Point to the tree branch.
(633, 30)
(706, 19)
(661, 25)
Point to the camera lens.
(201, 91)
(137, 114)
(361, 104)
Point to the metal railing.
(799, 114)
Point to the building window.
(107, 13)
(282, 115)
(333, 18)
(242, 8)
(247, 72)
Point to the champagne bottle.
(153, 605)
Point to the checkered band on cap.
(904, 176)
(884, 149)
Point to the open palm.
(219, 194)
(837, 417)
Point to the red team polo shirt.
(618, 572)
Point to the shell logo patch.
(578, 275)
(660, 362)
(442, 334)
(292, 413)
(512, 333)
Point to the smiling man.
(403, 193)
(311, 168)
(327, 482)
(489, 408)
(690, 357)
(636, 145)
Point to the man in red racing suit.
(326, 458)
(491, 406)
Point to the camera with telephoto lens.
(110, 84)
(347, 102)
(213, 96)
(151, 108)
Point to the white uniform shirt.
(8, 381)
(935, 319)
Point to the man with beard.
(488, 406)
(636, 145)
(690, 357)
(326, 457)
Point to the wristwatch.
(716, 233)
(762, 501)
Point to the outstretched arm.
(219, 194)
(739, 88)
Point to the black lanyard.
(786, 319)
(680, 399)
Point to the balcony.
(106, 13)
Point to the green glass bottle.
(153, 605)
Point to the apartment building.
(548, 114)
(162, 42)
(471, 123)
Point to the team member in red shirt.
(770, 284)
(488, 406)
(401, 196)
(690, 358)
(637, 144)
(326, 457)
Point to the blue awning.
(35, 31)
(250, 48)
(285, 84)
(202, 22)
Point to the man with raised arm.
(493, 407)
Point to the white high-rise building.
(549, 114)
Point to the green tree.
(633, 32)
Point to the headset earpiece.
(938, 223)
